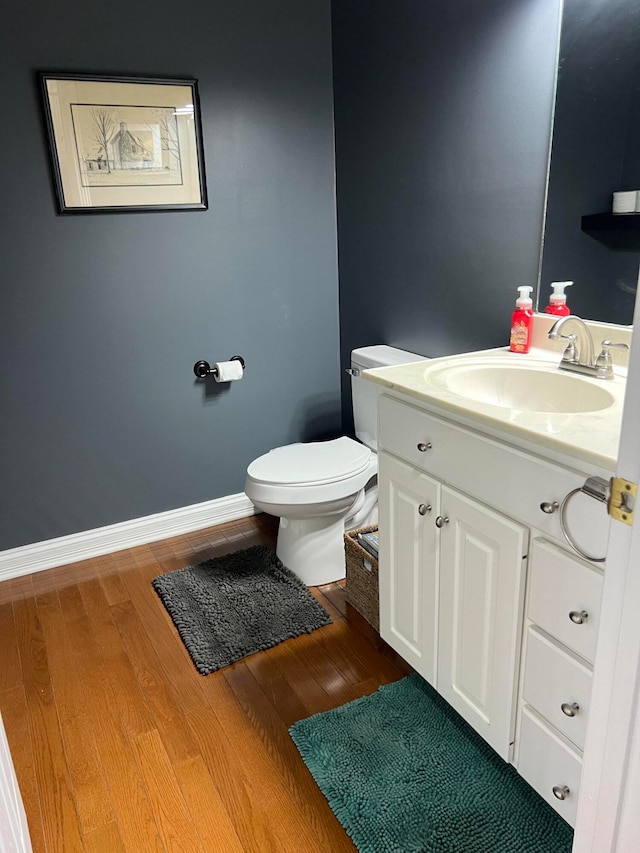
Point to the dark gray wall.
(103, 316)
(443, 117)
(596, 151)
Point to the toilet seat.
(311, 472)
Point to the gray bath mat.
(236, 605)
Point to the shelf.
(618, 231)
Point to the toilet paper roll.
(624, 202)
(228, 371)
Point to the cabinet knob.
(561, 792)
(422, 447)
(423, 509)
(578, 617)
(441, 521)
(570, 709)
(549, 507)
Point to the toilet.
(319, 489)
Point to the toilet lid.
(311, 462)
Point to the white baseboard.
(126, 534)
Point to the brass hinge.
(622, 499)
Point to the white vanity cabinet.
(451, 591)
(408, 503)
(481, 581)
(479, 592)
(561, 630)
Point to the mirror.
(595, 151)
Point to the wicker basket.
(362, 577)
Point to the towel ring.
(565, 529)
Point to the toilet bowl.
(320, 488)
(314, 488)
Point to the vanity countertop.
(588, 436)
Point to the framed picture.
(124, 144)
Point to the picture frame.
(124, 144)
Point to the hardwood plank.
(359, 651)
(59, 817)
(168, 806)
(16, 589)
(351, 667)
(127, 702)
(89, 787)
(113, 588)
(248, 809)
(238, 539)
(177, 665)
(276, 688)
(361, 644)
(319, 665)
(68, 689)
(53, 580)
(174, 553)
(71, 601)
(212, 822)
(201, 546)
(251, 754)
(335, 594)
(328, 834)
(357, 621)
(117, 712)
(155, 684)
(264, 523)
(335, 614)
(133, 814)
(311, 695)
(104, 840)
(13, 707)
(379, 667)
(10, 672)
(126, 792)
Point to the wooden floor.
(120, 745)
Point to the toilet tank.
(364, 394)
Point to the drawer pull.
(441, 521)
(549, 507)
(561, 792)
(578, 617)
(422, 447)
(423, 509)
(570, 709)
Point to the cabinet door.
(481, 603)
(408, 503)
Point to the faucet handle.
(604, 360)
(571, 352)
(613, 344)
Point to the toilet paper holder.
(202, 369)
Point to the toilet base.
(313, 548)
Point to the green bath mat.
(403, 773)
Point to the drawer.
(503, 477)
(548, 763)
(562, 588)
(553, 679)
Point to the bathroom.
(442, 122)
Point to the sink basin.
(525, 387)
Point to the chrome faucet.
(579, 353)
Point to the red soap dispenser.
(558, 299)
(522, 322)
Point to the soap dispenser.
(522, 322)
(558, 299)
